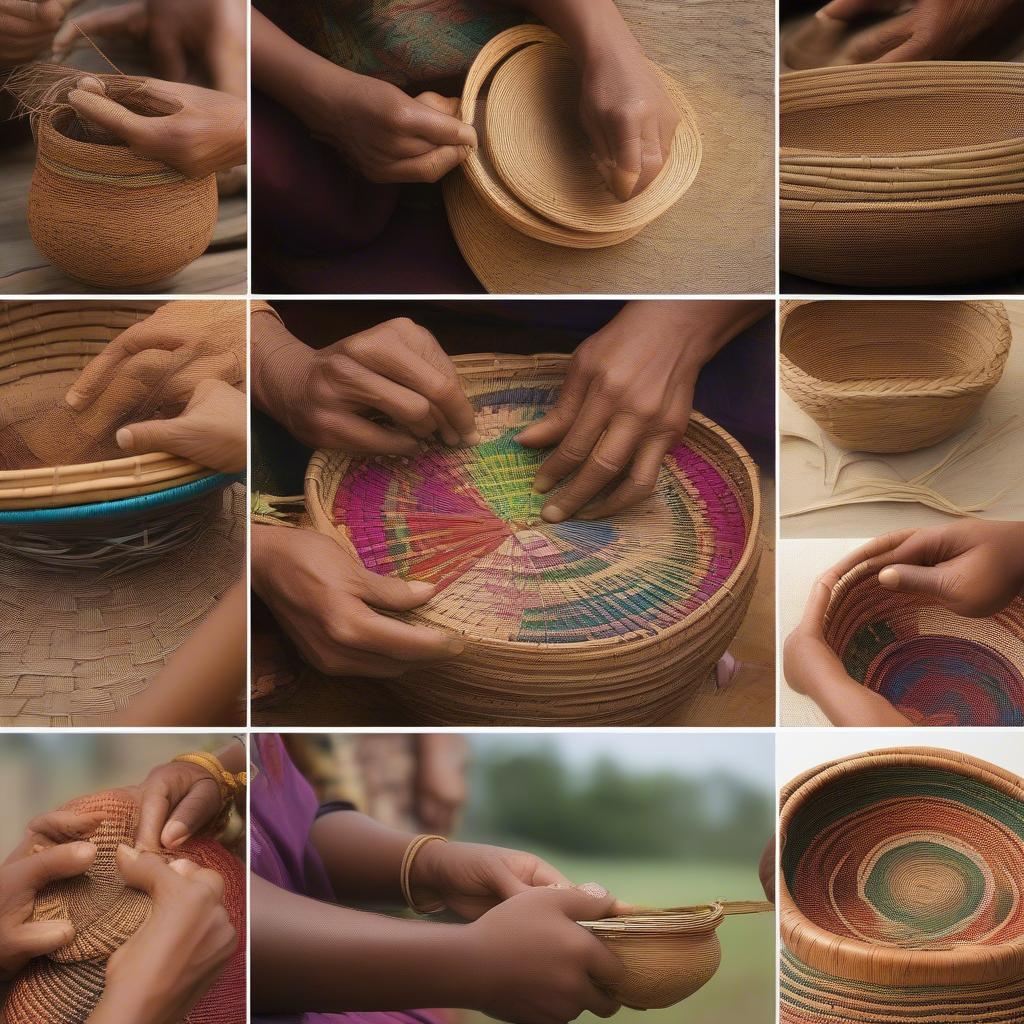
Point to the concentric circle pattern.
(936, 667)
(468, 521)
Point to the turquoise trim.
(123, 506)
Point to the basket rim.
(480, 362)
(791, 373)
(862, 961)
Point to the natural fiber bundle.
(900, 890)
(65, 987)
(96, 210)
(668, 955)
(902, 174)
(891, 376)
(935, 666)
(614, 620)
(535, 170)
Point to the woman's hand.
(930, 30)
(27, 29)
(200, 131)
(537, 964)
(211, 431)
(327, 603)
(209, 31)
(176, 801)
(322, 396)
(471, 879)
(54, 847)
(167, 966)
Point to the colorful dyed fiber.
(900, 890)
(936, 667)
(512, 585)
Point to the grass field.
(743, 990)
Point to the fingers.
(114, 118)
(356, 435)
(190, 815)
(40, 938)
(813, 620)
(599, 1002)
(588, 902)
(639, 483)
(653, 152)
(430, 167)
(876, 43)
(626, 139)
(848, 10)
(144, 870)
(154, 810)
(150, 436)
(393, 594)
(401, 641)
(65, 860)
(428, 121)
(203, 876)
(578, 443)
(64, 826)
(105, 23)
(918, 47)
(944, 583)
(877, 552)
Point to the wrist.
(423, 887)
(280, 362)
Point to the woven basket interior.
(468, 521)
(937, 667)
(909, 856)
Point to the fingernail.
(455, 646)
(593, 889)
(127, 851)
(124, 438)
(889, 578)
(450, 438)
(174, 833)
(470, 440)
(543, 484)
(74, 399)
(421, 590)
(552, 514)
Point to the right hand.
(396, 368)
(551, 969)
(27, 29)
(387, 136)
(325, 600)
(167, 966)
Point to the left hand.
(176, 801)
(471, 878)
(628, 116)
(199, 131)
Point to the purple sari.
(282, 810)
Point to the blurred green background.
(658, 819)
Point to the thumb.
(104, 112)
(144, 870)
(395, 595)
(40, 938)
(151, 436)
(200, 805)
(587, 902)
(941, 582)
(66, 860)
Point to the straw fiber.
(900, 890)
(935, 666)
(902, 174)
(612, 620)
(891, 376)
(65, 987)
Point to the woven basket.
(615, 621)
(900, 891)
(668, 955)
(64, 987)
(38, 340)
(110, 218)
(891, 376)
(534, 168)
(902, 174)
(936, 667)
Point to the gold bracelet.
(406, 876)
(228, 783)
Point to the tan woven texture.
(891, 376)
(902, 174)
(65, 987)
(610, 654)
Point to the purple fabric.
(282, 809)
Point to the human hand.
(471, 878)
(386, 135)
(177, 800)
(322, 396)
(210, 31)
(211, 431)
(27, 29)
(550, 970)
(197, 131)
(53, 847)
(170, 962)
(326, 601)
(808, 662)
(930, 30)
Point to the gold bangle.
(229, 784)
(406, 875)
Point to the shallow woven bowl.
(38, 339)
(534, 167)
(630, 614)
(935, 666)
(110, 218)
(867, 125)
(891, 376)
(900, 890)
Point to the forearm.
(363, 858)
(591, 28)
(277, 357)
(847, 704)
(311, 956)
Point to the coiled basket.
(891, 376)
(613, 620)
(64, 987)
(934, 666)
(902, 174)
(900, 891)
(110, 218)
